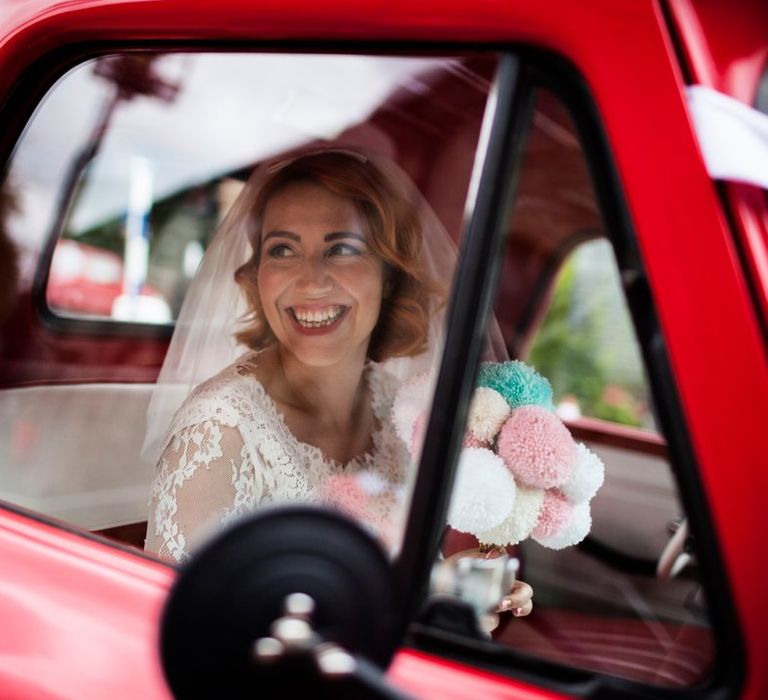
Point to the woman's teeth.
(318, 318)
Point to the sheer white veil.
(214, 308)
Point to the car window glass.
(114, 192)
(165, 188)
(593, 503)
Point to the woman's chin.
(310, 355)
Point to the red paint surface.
(727, 51)
(431, 678)
(80, 618)
(77, 613)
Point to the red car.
(602, 168)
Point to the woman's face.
(320, 285)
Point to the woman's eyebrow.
(282, 234)
(336, 235)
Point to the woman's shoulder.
(234, 378)
(232, 396)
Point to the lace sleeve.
(205, 478)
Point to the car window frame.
(546, 70)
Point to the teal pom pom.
(518, 383)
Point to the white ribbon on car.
(732, 135)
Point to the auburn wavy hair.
(393, 233)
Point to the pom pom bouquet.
(520, 473)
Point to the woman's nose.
(314, 277)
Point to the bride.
(336, 261)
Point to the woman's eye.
(280, 251)
(343, 250)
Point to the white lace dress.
(229, 451)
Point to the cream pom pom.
(483, 493)
(410, 402)
(521, 521)
(487, 413)
(588, 476)
(575, 530)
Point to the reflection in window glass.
(588, 514)
(144, 150)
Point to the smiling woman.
(371, 245)
(335, 288)
(320, 288)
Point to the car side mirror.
(293, 601)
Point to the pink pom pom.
(471, 440)
(344, 493)
(417, 435)
(554, 515)
(537, 447)
(576, 529)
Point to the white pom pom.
(371, 483)
(588, 476)
(575, 531)
(411, 401)
(487, 413)
(483, 493)
(520, 522)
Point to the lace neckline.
(360, 462)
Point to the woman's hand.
(519, 600)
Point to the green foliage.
(570, 350)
